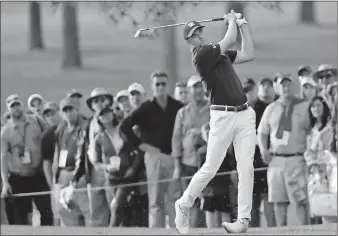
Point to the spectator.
(76, 97)
(156, 119)
(325, 75)
(308, 88)
(319, 141)
(51, 115)
(304, 71)
(35, 104)
(181, 92)
(189, 120)
(114, 155)
(275, 84)
(285, 123)
(98, 99)
(122, 99)
(265, 96)
(139, 202)
(215, 200)
(250, 89)
(21, 163)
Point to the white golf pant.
(225, 128)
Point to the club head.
(137, 33)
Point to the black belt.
(239, 108)
(287, 154)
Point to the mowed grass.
(113, 59)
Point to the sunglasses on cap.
(134, 92)
(163, 84)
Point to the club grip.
(217, 19)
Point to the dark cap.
(74, 92)
(67, 103)
(266, 80)
(50, 106)
(302, 69)
(190, 28)
(105, 110)
(248, 84)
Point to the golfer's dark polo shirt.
(219, 74)
(155, 124)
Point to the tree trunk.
(238, 7)
(307, 12)
(71, 52)
(35, 32)
(170, 53)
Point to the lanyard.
(23, 135)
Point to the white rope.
(124, 185)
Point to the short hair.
(158, 74)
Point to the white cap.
(136, 87)
(193, 80)
(32, 97)
(308, 80)
(122, 93)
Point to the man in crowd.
(139, 208)
(35, 104)
(285, 123)
(77, 212)
(48, 139)
(122, 99)
(250, 89)
(181, 92)
(155, 120)
(265, 96)
(21, 163)
(189, 121)
(76, 97)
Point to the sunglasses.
(163, 84)
(99, 100)
(68, 109)
(133, 93)
(16, 104)
(328, 76)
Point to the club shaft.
(178, 24)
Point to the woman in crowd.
(120, 162)
(319, 141)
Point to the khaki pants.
(80, 213)
(160, 166)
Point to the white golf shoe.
(239, 226)
(181, 219)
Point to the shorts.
(216, 203)
(287, 179)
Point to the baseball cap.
(193, 80)
(11, 99)
(308, 80)
(190, 28)
(302, 69)
(248, 84)
(122, 93)
(266, 80)
(136, 87)
(50, 106)
(33, 97)
(74, 92)
(67, 103)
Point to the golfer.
(232, 120)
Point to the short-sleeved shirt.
(16, 137)
(300, 120)
(219, 74)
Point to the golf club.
(138, 32)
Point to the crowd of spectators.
(143, 142)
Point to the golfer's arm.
(247, 49)
(229, 37)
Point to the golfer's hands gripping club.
(232, 16)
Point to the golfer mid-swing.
(231, 118)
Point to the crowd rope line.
(122, 185)
(129, 184)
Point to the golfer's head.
(193, 33)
